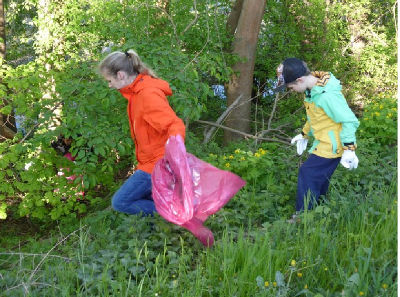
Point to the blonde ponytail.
(128, 62)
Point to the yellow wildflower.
(231, 157)
(293, 263)
(237, 151)
(266, 284)
(274, 284)
(227, 165)
(377, 114)
(381, 106)
(366, 119)
(304, 262)
(384, 286)
(299, 274)
(361, 293)
(224, 157)
(257, 155)
(261, 151)
(242, 158)
(326, 268)
(306, 287)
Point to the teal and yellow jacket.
(329, 119)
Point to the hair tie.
(127, 54)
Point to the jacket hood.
(332, 85)
(144, 81)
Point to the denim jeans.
(313, 180)
(134, 196)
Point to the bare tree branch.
(194, 20)
(38, 123)
(246, 135)
(207, 134)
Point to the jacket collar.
(132, 88)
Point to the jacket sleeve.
(159, 114)
(338, 110)
(307, 129)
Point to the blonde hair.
(128, 62)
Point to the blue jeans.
(313, 180)
(134, 196)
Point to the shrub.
(379, 122)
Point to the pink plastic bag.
(186, 190)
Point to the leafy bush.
(379, 122)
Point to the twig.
(207, 135)
(53, 109)
(246, 135)
(34, 255)
(38, 123)
(47, 254)
(273, 109)
(195, 18)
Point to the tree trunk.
(5, 120)
(2, 31)
(5, 131)
(240, 84)
(233, 18)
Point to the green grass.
(340, 248)
(344, 247)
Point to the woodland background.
(220, 59)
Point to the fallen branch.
(207, 134)
(246, 135)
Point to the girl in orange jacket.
(151, 119)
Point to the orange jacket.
(151, 119)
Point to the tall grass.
(345, 247)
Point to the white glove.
(349, 159)
(301, 143)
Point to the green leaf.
(6, 110)
(3, 208)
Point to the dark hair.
(294, 68)
(128, 62)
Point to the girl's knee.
(116, 203)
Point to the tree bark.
(2, 31)
(5, 132)
(241, 82)
(233, 18)
(5, 120)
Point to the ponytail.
(128, 62)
